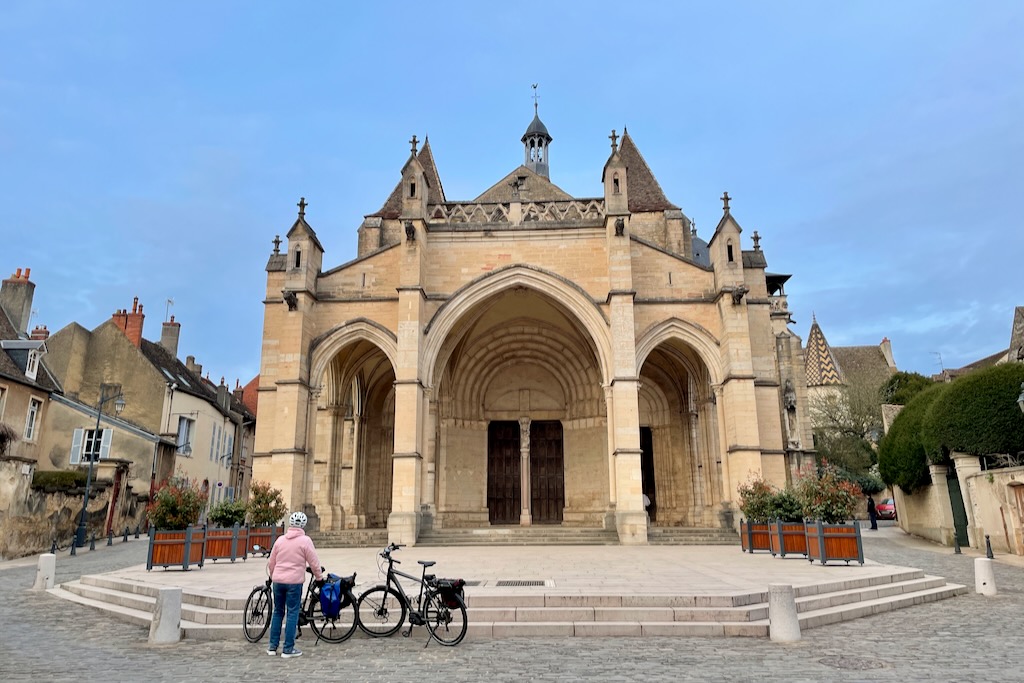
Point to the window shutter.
(76, 446)
(105, 444)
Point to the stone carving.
(291, 299)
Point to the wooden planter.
(840, 541)
(264, 537)
(788, 538)
(755, 536)
(227, 544)
(181, 548)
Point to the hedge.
(978, 414)
(902, 460)
(62, 480)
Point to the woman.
(288, 560)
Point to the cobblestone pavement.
(969, 638)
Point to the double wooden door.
(504, 473)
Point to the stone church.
(527, 357)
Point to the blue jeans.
(287, 597)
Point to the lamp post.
(119, 404)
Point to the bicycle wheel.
(380, 611)
(446, 618)
(336, 629)
(258, 610)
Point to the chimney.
(169, 337)
(40, 333)
(16, 299)
(131, 323)
(886, 348)
(190, 363)
(223, 397)
(237, 392)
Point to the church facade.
(527, 357)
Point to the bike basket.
(449, 589)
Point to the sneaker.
(293, 653)
(272, 653)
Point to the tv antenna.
(167, 309)
(939, 356)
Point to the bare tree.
(7, 438)
(847, 423)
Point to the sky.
(154, 150)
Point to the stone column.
(967, 466)
(525, 517)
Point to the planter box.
(264, 537)
(755, 536)
(788, 538)
(841, 541)
(227, 544)
(183, 548)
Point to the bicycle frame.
(392, 580)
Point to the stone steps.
(548, 613)
(530, 535)
(350, 538)
(691, 536)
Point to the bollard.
(956, 544)
(73, 553)
(125, 539)
(92, 542)
(136, 531)
(45, 572)
(988, 548)
(984, 578)
(53, 547)
(166, 625)
(783, 622)
(110, 537)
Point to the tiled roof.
(189, 382)
(435, 193)
(644, 191)
(822, 369)
(11, 369)
(537, 188)
(863, 365)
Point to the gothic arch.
(325, 347)
(697, 337)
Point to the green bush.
(266, 504)
(902, 456)
(228, 513)
(827, 496)
(756, 499)
(978, 414)
(869, 484)
(62, 480)
(903, 386)
(176, 505)
(786, 507)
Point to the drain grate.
(473, 583)
(519, 583)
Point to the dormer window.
(32, 364)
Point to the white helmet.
(298, 519)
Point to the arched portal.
(681, 462)
(354, 426)
(520, 428)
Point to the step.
(832, 615)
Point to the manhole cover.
(520, 583)
(852, 663)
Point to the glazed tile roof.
(822, 369)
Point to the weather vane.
(535, 97)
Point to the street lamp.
(119, 404)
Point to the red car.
(886, 509)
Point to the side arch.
(563, 292)
(697, 337)
(326, 346)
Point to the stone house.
(527, 357)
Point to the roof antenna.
(939, 356)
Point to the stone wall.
(996, 497)
(31, 519)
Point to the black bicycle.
(440, 604)
(259, 609)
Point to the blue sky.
(154, 150)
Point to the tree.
(266, 504)
(7, 438)
(847, 423)
(903, 386)
(902, 456)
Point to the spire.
(535, 141)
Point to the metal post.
(956, 543)
(110, 537)
(136, 531)
(988, 548)
(92, 542)
(73, 546)
(53, 547)
(93, 457)
(125, 539)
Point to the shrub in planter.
(786, 507)
(756, 499)
(228, 513)
(176, 505)
(266, 504)
(828, 497)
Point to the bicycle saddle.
(427, 563)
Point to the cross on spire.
(725, 200)
(302, 207)
(615, 140)
(757, 241)
(413, 143)
(277, 244)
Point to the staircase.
(517, 535)
(350, 538)
(544, 612)
(660, 535)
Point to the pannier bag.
(449, 589)
(330, 596)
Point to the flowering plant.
(266, 504)
(828, 497)
(176, 505)
(756, 499)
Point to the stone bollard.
(984, 577)
(45, 572)
(783, 622)
(166, 626)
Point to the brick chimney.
(886, 348)
(223, 396)
(16, 299)
(131, 323)
(169, 337)
(237, 391)
(39, 333)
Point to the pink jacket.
(290, 555)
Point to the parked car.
(886, 509)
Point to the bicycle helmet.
(298, 519)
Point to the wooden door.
(547, 472)
(503, 487)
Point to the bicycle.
(259, 608)
(439, 606)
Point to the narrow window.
(298, 257)
(3, 400)
(412, 189)
(32, 364)
(615, 184)
(728, 250)
(34, 406)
